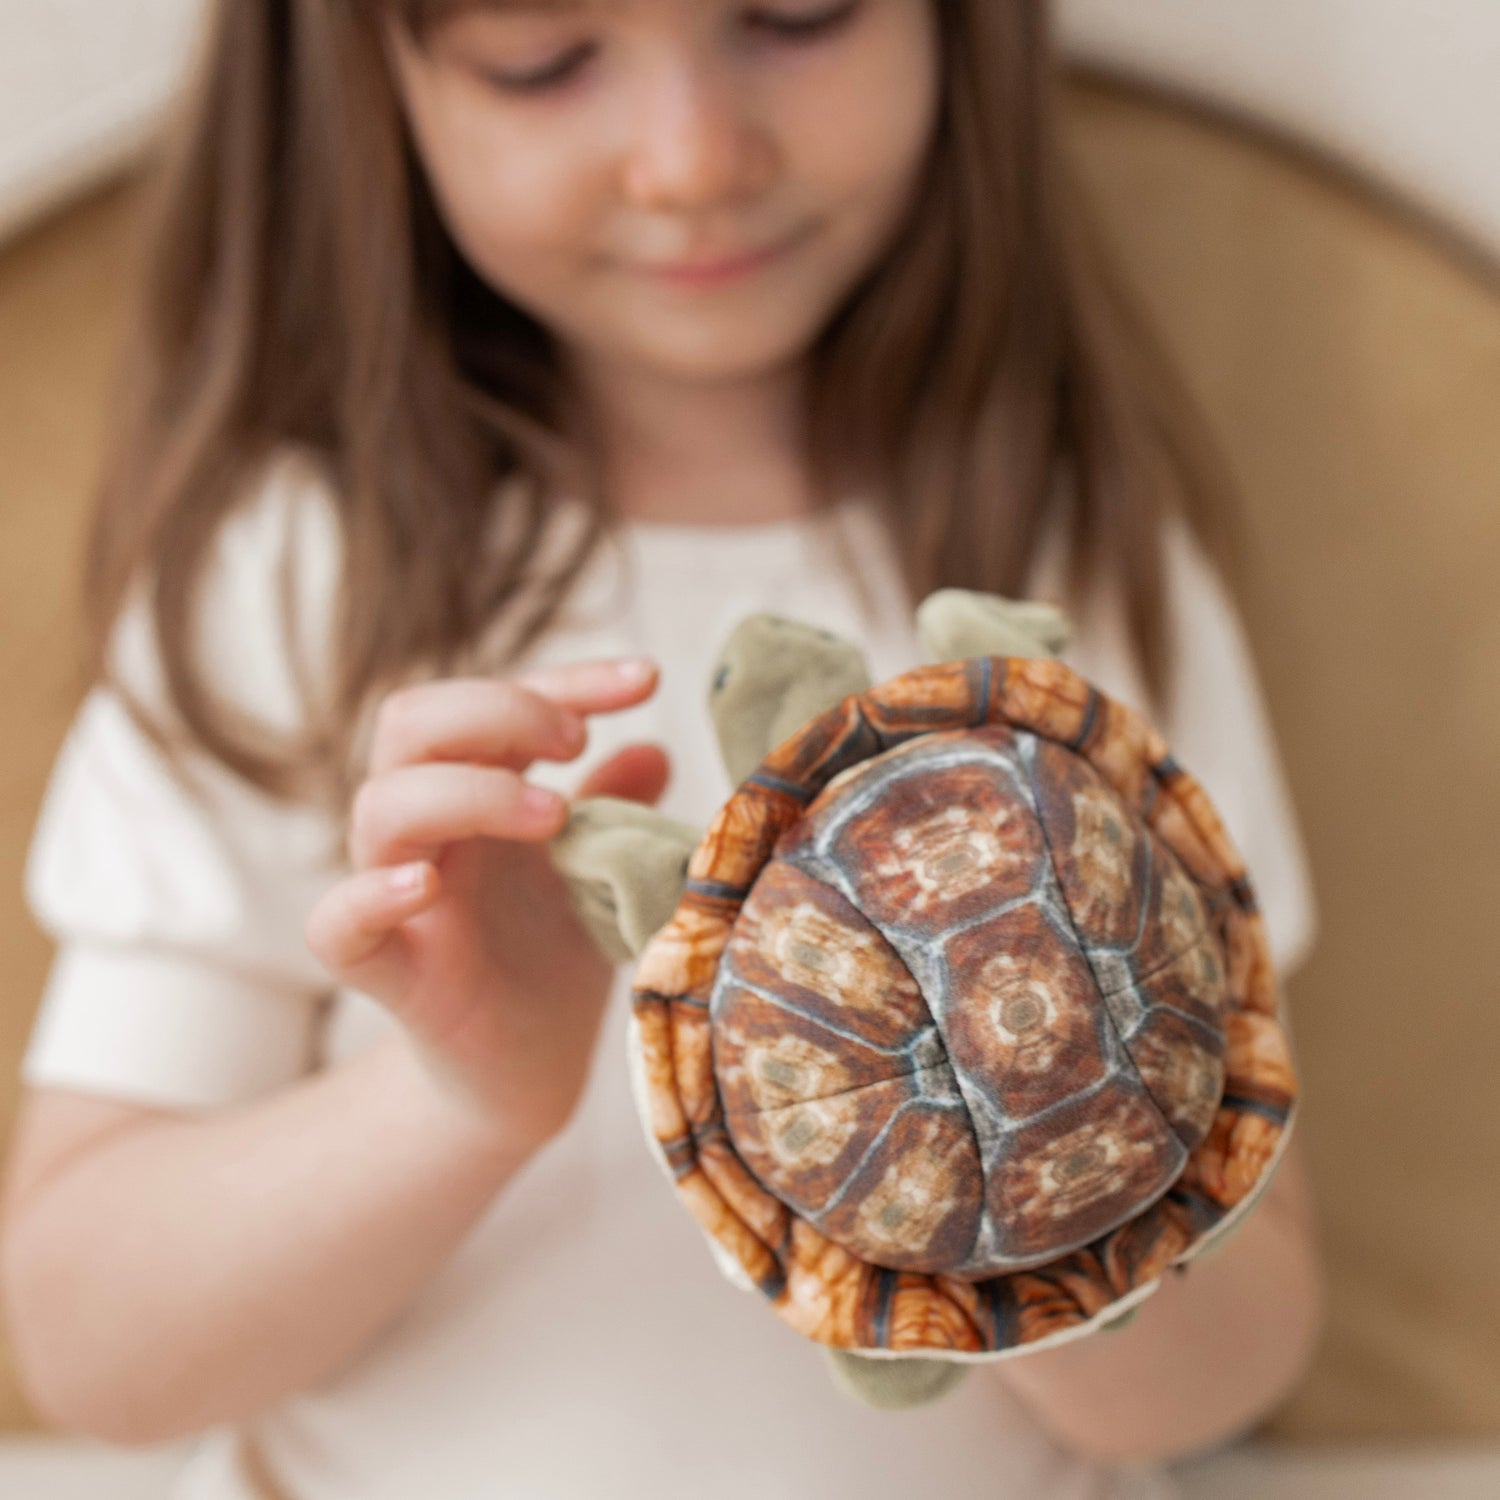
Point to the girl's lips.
(720, 272)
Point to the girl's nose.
(694, 143)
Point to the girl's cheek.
(519, 228)
(492, 194)
(868, 116)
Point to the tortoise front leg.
(957, 624)
(772, 677)
(625, 865)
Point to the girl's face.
(680, 187)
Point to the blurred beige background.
(1391, 86)
(1351, 362)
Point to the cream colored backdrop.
(1401, 89)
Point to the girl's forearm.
(196, 1271)
(1212, 1352)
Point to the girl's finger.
(508, 722)
(473, 719)
(592, 687)
(639, 772)
(354, 930)
(411, 812)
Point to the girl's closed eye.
(778, 25)
(802, 24)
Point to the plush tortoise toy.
(958, 1027)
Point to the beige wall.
(1405, 89)
(80, 81)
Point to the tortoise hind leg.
(893, 1384)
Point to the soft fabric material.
(774, 675)
(771, 678)
(966, 1028)
(625, 865)
(957, 623)
(579, 1343)
(894, 1384)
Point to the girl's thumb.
(639, 772)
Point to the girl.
(497, 358)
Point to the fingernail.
(408, 878)
(635, 671)
(541, 801)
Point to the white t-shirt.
(581, 1344)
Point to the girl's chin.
(710, 372)
(726, 354)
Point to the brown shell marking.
(1037, 1030)
(940, 842)
(817, 1286)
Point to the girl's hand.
(453, 917)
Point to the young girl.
(497, 359)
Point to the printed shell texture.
(965, 1028)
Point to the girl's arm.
(163, 1273)
(1212, 1352)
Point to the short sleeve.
(1220, 729)
(181, 976)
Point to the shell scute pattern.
(693, 1050)
(911, 1318)
(934, 838)
(1178, 922)
(826, 1287)
(1181, 1066)
(1188, 822)
(739, 841)
(653, 1018)
(929, 698)
(771, 1059)
(831, 743)
(916, 1196)
(1123, 748)
(765, 1215)
(708, 1205)
(1080, 1170)
(913, 1191)
(1021, 1012)
(1249, 958)
(1259, 1063)
(681, 961)
(1101, 853)
(1049, 698)
(1007, 1127)
(803, 941)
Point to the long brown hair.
(302, 291)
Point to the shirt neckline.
(710, 543)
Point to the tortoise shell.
(965, 1028)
